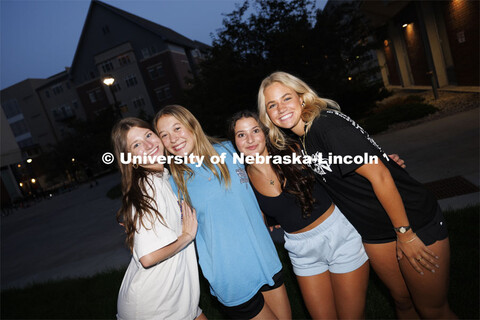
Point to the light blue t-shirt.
(236, 253)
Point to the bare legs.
(336, 295)
(276, 305)
(411, 291)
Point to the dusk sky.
(39, 37)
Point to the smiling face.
(177, 139)
(284, 107)
(142, 141)
(249, 137)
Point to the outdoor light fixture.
(21, 184)
(29, 160)
(73, 159)
(33, 180)
(19, 165)
(349, 78)
(405, 25)
(109, 80)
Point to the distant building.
(149, 62)
(10, 157)
(27, 117)
(425, 40)
(151, 65)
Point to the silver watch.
(402, 229)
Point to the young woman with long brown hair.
(161, 281)
(403, 230)
(326, 252)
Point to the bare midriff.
(317, 222)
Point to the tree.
(263, 36)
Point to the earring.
(303, 104)
(135, 166)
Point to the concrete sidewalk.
(76, 234)
(440, 149)
(70, 235)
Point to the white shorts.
(334, 245)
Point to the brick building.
(425, 40)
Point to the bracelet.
(408, 241)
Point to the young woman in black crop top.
(401, 224)
(325, 250)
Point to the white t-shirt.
(170, 289)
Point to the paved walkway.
(75, 234)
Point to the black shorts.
(252, 307)
(430, 233)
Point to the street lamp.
(108, 81)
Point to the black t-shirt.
(335, 134)
(286, 210)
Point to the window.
(92, 75)
(57, 89)
(116, 87)
(147, 52)
(67, 84)
(138, 102)
(63, 112)
(11, 108)
(131, 80)
(163, 93)
(19, 127)
(47, 94)
(124, 60)
(156, 71)
(75, 104)
(95, 95)
(107, 66)
(25, 143)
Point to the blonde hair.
(203, 147)
(313, 104)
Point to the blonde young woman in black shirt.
(400, 221)
(326, 252)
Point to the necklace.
(272, 182)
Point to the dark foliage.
(263, 36)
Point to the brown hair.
(203, 147)
(300, 178)
(137, 204)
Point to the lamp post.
(108, 81)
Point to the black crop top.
(286, 210)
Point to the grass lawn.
(95, 297)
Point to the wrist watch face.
(402, 230)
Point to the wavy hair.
(135, 193)
(300, 178)
(313, 104)
(203, 147)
